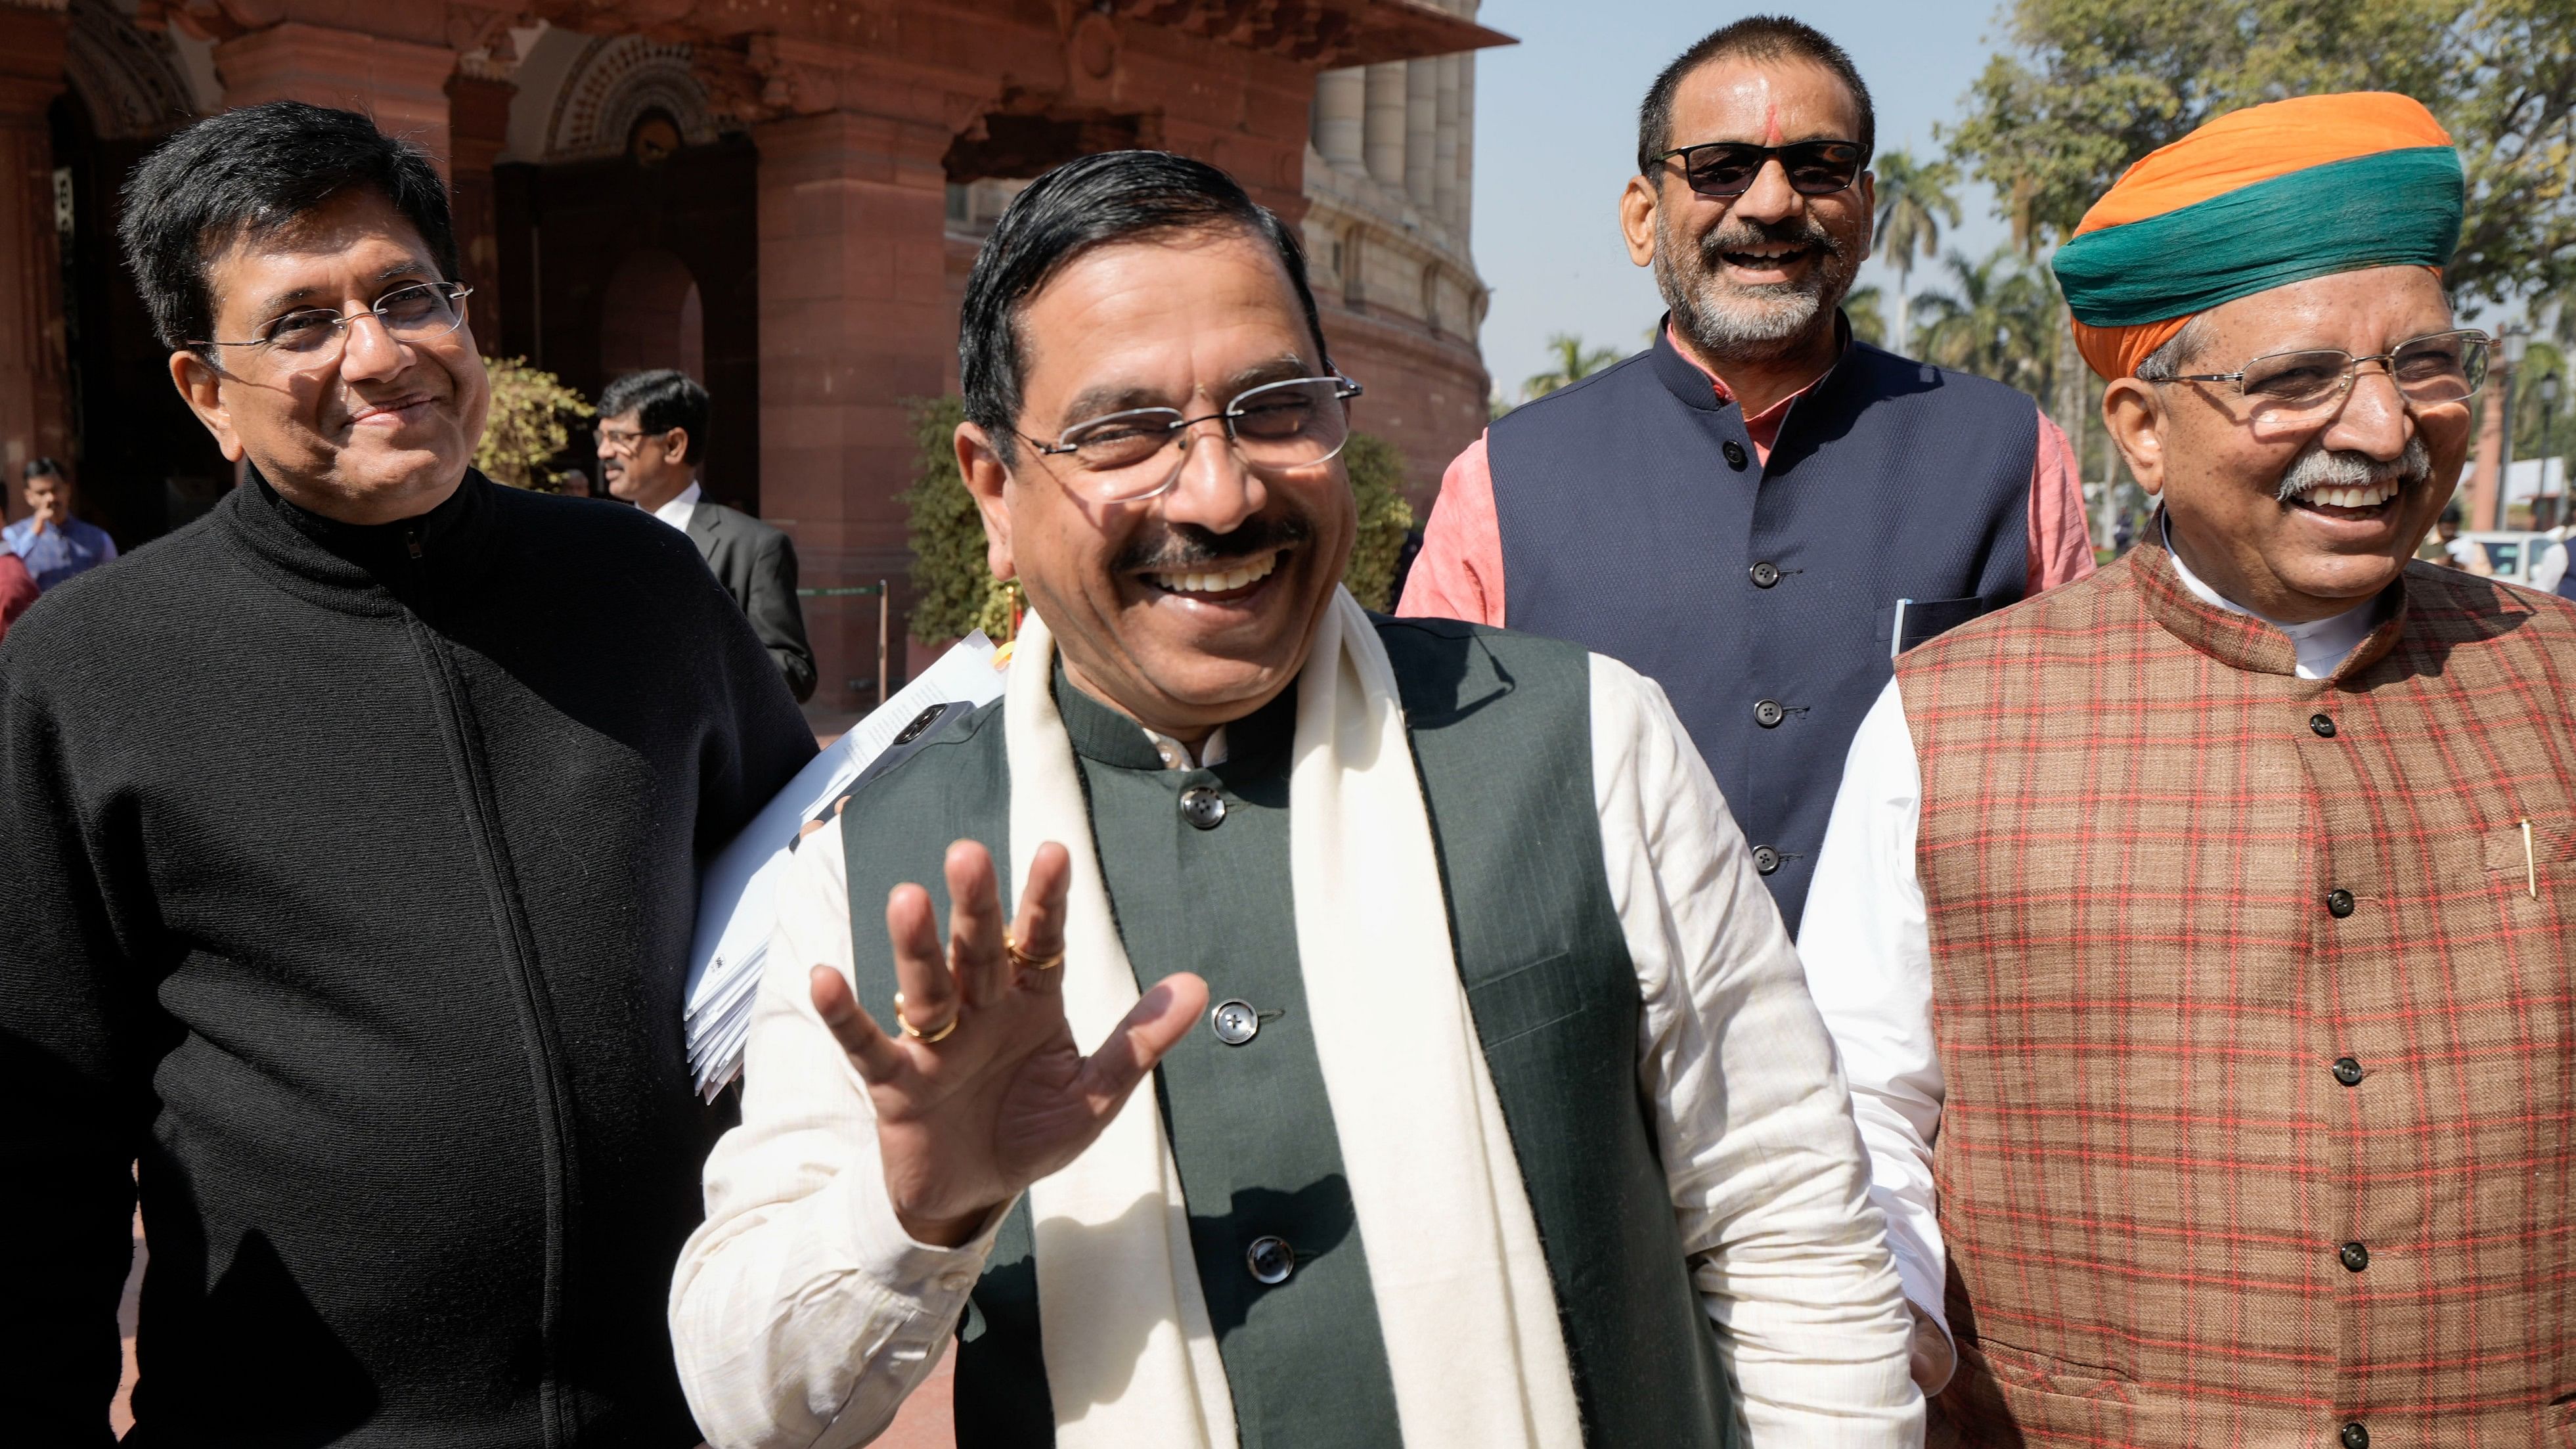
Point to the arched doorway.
(652, 316)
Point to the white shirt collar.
(1176, 756)
(681, 509)
(2322, 645)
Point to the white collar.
(1176, 756)
(2322, 645)
(680, 509)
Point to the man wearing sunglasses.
(2197, 936)
(1758, 511)
(1487, 1112)
(351, 837)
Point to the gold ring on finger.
(926, 1038)
(1022, 959)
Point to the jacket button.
(1765, 859)
(2323, 724)
(1735, 455)
(1768, 714)
(2339, 903)
(2354, 1436)
(2355, 1257)
(2347, 1071)
(1270, 1260)
(1234, 1022)
(1202, 807)
(1765, 574)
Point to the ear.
(201, 387)
(986, 479)
(2135, 416)
(675, 446)
(1637, 205)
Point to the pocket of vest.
(2543, 863)
(1529, 998)
(1923, 620)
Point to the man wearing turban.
(2196, 936)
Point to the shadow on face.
(2300, 522)
(1196, 605)
(372, 429)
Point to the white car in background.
(2509, 556)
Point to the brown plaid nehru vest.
(2255, 1021)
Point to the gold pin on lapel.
(2530, 865)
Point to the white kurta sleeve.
(1768, 1179)
(802, 1313)
(1868, 952)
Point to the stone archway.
(619, 81)
(652, 315)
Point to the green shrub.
(955, 593)
(530, 423)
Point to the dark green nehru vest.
(1501, 728)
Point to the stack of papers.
(735, 901)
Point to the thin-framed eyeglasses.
(1725, 170)
(1278, 427)
(622, 440)
(2296, 391)
(311, 336)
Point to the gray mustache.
(2318, 467)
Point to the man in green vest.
(1489, 1107)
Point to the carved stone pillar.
(1386, 118)
(401, 84)
(1421, 131)
(1444, 161)
(1341, 117)
(33, 397)
(854, 321)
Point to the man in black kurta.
(351, 872)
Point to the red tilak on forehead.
(1771, 123)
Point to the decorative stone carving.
(129, 80)
(614, 83)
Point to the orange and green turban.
(2257, 199)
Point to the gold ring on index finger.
(1022, 959)
(926, 1038)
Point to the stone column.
(1444, 160)
(34, 418)
(855, 321)
(1421, 131)
(1465, 225)
(479, 126)
(1341, 117)
(1386, 121)
(401, 84)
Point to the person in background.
(2549, 571)
(2196, 937)
(1759, 511)
(2464, 554)
(17, 589)
(652, 433)
(351, 837)
(1508, 1123)
(54, 544)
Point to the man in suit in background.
(652, 431)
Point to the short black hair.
(1112, 196)
(661, 400)
(255, 173)
(1755, 37)
(42, 468)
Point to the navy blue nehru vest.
(1637, 522)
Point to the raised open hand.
(988, 1092)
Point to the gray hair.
(2167, 362)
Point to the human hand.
(1002, 1096)
(1929, 1356)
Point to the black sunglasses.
(1724, 170)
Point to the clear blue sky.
(1556, 137)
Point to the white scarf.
(1461, 1284)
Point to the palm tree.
(1862, 307)
(1913, 198)
(1574, 362)
(2001, 321)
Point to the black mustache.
(1184, 547)
(1737, 236)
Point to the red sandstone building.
(781, 196)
